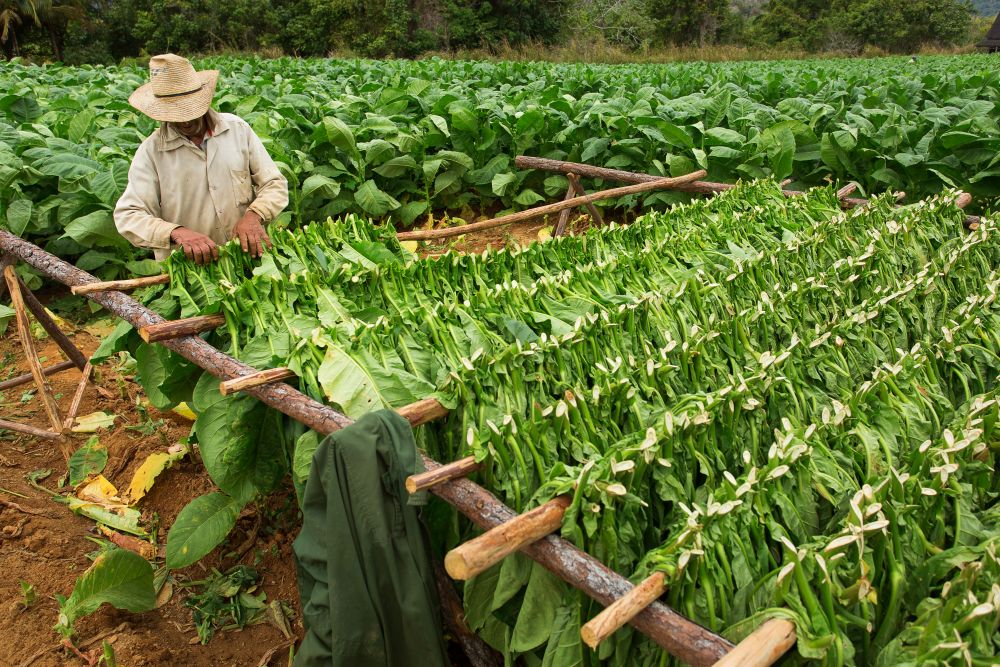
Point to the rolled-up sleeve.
(137, 214)
(271, 186)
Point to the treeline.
(77, 31)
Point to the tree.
(13, 13)
(683, 22)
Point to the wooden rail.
(189, 326)
(120, 285)
(676, 634)
(267, 376)
(654, 184)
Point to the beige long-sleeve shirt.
(172, 182)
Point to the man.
(201, 178)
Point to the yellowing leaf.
(183, 410)
(142, 480)
(100, 490)
(95, 420)
(544, 234)
(410, 245)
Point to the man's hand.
(250, 231)
(197, 247)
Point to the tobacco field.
(788, 409)
(403, 139)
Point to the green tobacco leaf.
(373, 201)
(96, 229)
(121, 518)
(241, 440)
(565, 647)
(89, 459)
(501, 182)
(305, 447)
(542, 598)
(6, 315)
(200, 527)
(19, 215)
(359, 384)
(118, 577)
(322, 185)
(340, 135)
(167, 377)
(80, 125)
(528, 197)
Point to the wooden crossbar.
(120, 285)
(189, 326)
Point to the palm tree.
(12, 14)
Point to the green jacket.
(364, 569)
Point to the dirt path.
(49, 550)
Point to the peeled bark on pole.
(676, 634)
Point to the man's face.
(192, 128)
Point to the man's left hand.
(251, 233)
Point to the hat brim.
(178, 109)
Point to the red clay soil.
(46, 545)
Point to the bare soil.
(46, 545)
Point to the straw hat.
(176, 93)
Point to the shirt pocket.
(242, 186)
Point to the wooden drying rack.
(532, 532)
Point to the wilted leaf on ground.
(92, 422)
(118, 577)
(100, 490)
(142, 480)
(88, 460)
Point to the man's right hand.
(197, 247)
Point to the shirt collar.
(171, 138)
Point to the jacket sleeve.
(271, 186)
(137, 214)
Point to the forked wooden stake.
(24, 332)
(623, 610)
(763, 646)
(188, 326)
(267, 376)
(565, 213)
(120, 285)
(478, 555)
(445, 473)
(574, 182)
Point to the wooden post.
(28, 377)
(763, 647)
(227, 387)
(448, 471)
(423, 411)
(74, 406)
(29, 430)
(623, 610)
(24, 332)
(656, 184)
(479, 653)
(120, 285)
(189, 326)
(847, 190)
(565, 213)
(574, 182)
(478, 555)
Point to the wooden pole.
(71, 351)
(763, 647)
(24, 332)
(657, 184)
(623, 610)
(189, 326)
(574, 182)
(847, 190)
(423, 411)
(478, 555)
(120, 285)
(479, 653)
(28, 377)
(29, 430)
(696, 187)
(676, 634)
(227, 387)
(449, 471)
(74, 406)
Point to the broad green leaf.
(117, 577)
(542, 599)
(501, 182)
(19, 215)
(95, 229)
(340, 135)
(88, 460)
(322, 185)
(528, 197)
(373, 201)
(200, 527)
